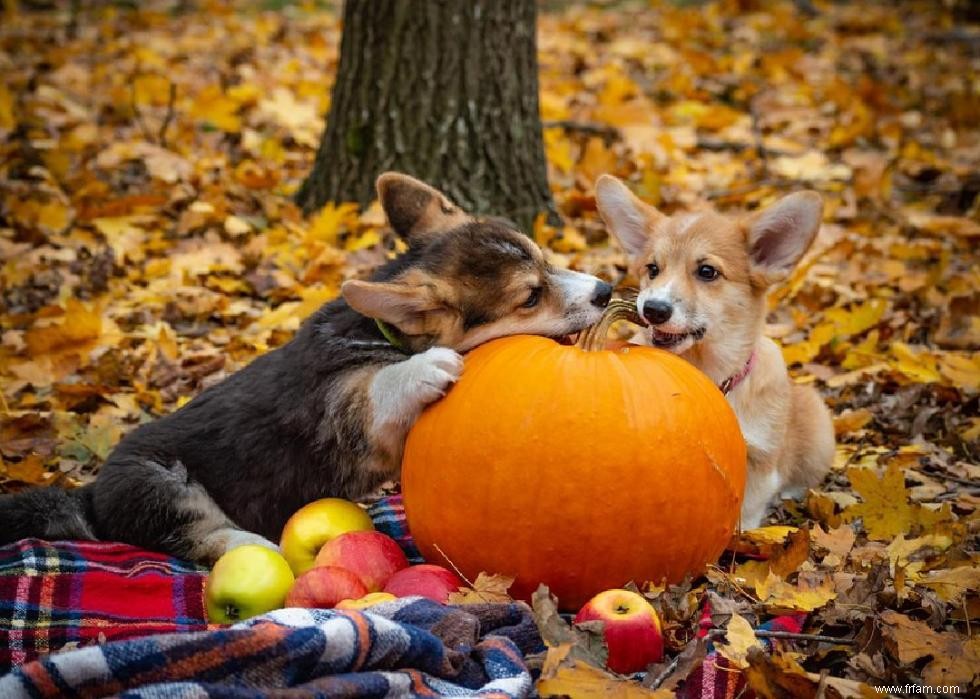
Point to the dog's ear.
(412, 308)
(778, 235)
(415, 210)
(627, 217)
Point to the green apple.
(315, 524)
(246, 581)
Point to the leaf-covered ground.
(149, 247)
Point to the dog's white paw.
(400, 391)
(432, 373)
(240, 537)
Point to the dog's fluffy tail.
(47, 513)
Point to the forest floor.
(149, 247)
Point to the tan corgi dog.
(703, 292)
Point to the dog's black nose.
(601, 295)
(657, 312)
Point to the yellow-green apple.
(631, 629)
(315, 524)
(248, 580)
(323, 587)
(368, 600)
(427, 580)
(372, 556)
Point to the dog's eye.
(707, 273)
(653, 270)
(533, 298)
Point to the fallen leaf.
(585, 681)
(739, 639)
(486, 589)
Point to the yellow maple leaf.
(568, 239)
(886, 510)
(558, 150)
(50, 216)
(596, 160)
(218, 110)
(919, 366)
(125, 235)
(582, 680)
(782, 560)
(367, 239)
(862, 353)
(804, 596)
(962, 369)
(901, 549)
(79, 325)
(775, 534)
(288, 316)
(325, 226)
(739, 638)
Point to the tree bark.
(445, 90)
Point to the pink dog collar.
(734, 380)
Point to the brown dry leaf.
(30, 470)
(901, 550)
(851, 421)
(950, 584)
(782, 560)
(486, 588)
(778, 676)
(838, 541)
(955, 658)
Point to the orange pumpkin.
(579, 469)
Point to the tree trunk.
(443, 90)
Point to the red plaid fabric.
(716, 678)
(57, 594)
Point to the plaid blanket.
(137, 623)
(410, 647)
(62, 594)
(716, 677)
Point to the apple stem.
(233, 612)
(594, 338)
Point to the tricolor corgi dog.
(703, 294)
(325, 415)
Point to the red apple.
(434, 582)
(372, 556)
(632, 629)
(323, 587)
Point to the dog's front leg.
(399, 392)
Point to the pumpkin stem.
(594, 338)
